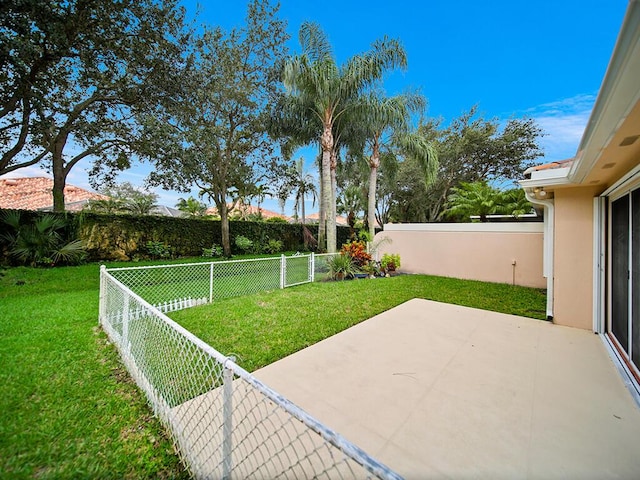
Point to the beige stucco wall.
(473, 251)
(573, 257)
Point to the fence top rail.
(176, 265)
(334, 438)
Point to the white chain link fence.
(225, 422)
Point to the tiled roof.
(552, 165)
(315, 217)
(34, 193)
(248, 210)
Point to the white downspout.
(547, 262)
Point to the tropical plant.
(471, 199)
(40, 242)
(358, 253)
(191, 207)
(390, 262)
(341, 266)
(515, 203)
(320, 92)
(350, 202)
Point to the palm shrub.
(40, 242)
(342, 266)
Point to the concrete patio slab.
(442, 391)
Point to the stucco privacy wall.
(475, 251)
(573, 257)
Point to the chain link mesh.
(225, 423)
(322, 271)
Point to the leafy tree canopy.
(214, 135)
(474, 149)
(72, 76)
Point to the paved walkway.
(442, 391)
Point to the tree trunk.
(332, 239)
(59, 174)
(224, 227)
(322, 215)
(371, 199)
(327, 148)
(302, 208)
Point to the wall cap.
(510, 227)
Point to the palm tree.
(323, 90)
(384, 123)
(515, 203)
(476, 198)
(350, 203)
(299, 183)
(191, 207)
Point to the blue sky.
(544, 60)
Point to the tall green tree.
(215, 135)
(323, 91)
(73, 76)
(473, 149)
(385, 123)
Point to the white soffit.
(619, 93)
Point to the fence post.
(227, 421)
(283, 270)
(102, 307)
(312, 267)
(211, 284)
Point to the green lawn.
(67, 406)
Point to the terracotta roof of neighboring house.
(34, 193)
(249, 210)
(558, 164)
(315, 217)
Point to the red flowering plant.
(358, 253)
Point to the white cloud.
(563, 122)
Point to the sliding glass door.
(624, 240)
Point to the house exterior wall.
(573, 257)
(475, 251)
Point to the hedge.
(124, 237)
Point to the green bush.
(158, 250)
(273, 246)
(244, 244)
(213, 252)
(124, 237)
(390, 262)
